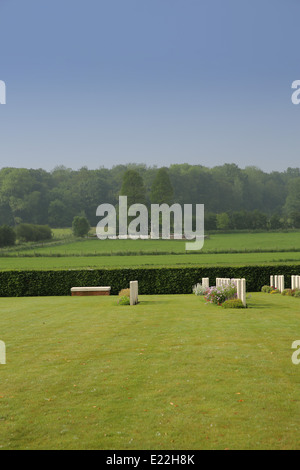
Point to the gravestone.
(134, 292)
(281, 283)
(295, 282)
(277, 281)
(2, 353)
(241, 290)
(243, 298)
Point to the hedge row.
(151, 280)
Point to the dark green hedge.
(151, 280)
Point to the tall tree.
(133, 187)
(80, 226)
(292, 205)
(162, 190)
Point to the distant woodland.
(233, 198)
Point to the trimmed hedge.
(151, 280)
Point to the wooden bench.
(90, 291)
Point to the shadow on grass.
(151, 302)
(258, 305)
(142, 303)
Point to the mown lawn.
(98, 262)
(220, 249)
(169, 373)
(215, 243)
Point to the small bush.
(233, 303)
(267, 289)
(287, 292)
(275, 291)
(198, 289)
(291, 292)
(80, 226)
(124, 297)
(124, 300)
(125, 292)
(7, 236)
(33, 233)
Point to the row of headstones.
(278, 282)
(275, 281)
(240, 285)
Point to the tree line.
(233, 198)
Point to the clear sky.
(104, 82)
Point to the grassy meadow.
(66, 252)
(96, 262)
(170, 373)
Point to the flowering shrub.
(287, 292)
(267, 289)
(198, 289)
(219, 294)
(270, 290)
(291, 292)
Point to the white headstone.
(2, 353)
(281, 283)
(293, 282)
(133, 292)
(243, 291)
(277, 282)
(238, 288)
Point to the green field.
(89, 262)
(169, 373)
(65, 252)
(216, 243)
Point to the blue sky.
(104, 82)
